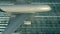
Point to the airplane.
(27, 9)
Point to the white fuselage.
(26, 8)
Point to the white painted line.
(4, 17)
(43, 3)
(2, 27)
(3, 24)
(46, 16)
